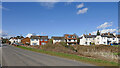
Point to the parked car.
(16, 44)
(21, 44)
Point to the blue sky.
(56, 19)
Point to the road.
(0, 56)
(13, 56)
(0, 53)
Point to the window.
(36, 39)
(98, 42)
(69, 36)
(74, 40)
(73, 36)
(32, 39)
(45, 39)
(104, 42)
(69, 39)
(85, 42)
(41, 39)
(34, 43)
(113, 38)
(43, 43)
(86, 38)
(97, 38)
(93, 38)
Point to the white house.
(34, 40)
(58, 39)
(70, 39)
(87, 39)
(15, 40)
(105, 39)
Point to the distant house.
(15, 39)
(43, 40)
(70, 39)
(105, 39)
(87, 39)
(38, 40)
(35, 40)
(58, 39)
(118, 38)
(26, 41)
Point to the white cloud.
(118, 30)
(5, 35)
(81, 11)
(105, 31)
(108, 30)
(105, 25)
(48, 4)
(29, 35)
(80, 5)
(69, 2)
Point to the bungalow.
(58, 39)
(70, 39)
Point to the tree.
(78, 41)
(98, 33)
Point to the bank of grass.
(97, 62)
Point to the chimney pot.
(89, 33)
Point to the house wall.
(43, 42)
(34, 41)
(55, 41)
(15, 41)
(88, 40)
(72, 41)
(101, 40)
(26, 40)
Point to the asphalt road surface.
(0, 56)
(13, 56)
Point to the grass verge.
(97, 62)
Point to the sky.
(59, 18)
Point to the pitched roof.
(109, 36)
(43, 37)
(39, 37)
(66, 35)
(90, 36)
(57, 38)
(35, 37)
(118, 36)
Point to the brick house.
(26, 41)
(43, 40)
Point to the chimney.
(89, 33)
(108, 33)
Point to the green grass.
(116, 45)
(97, 62)
(116, 53)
